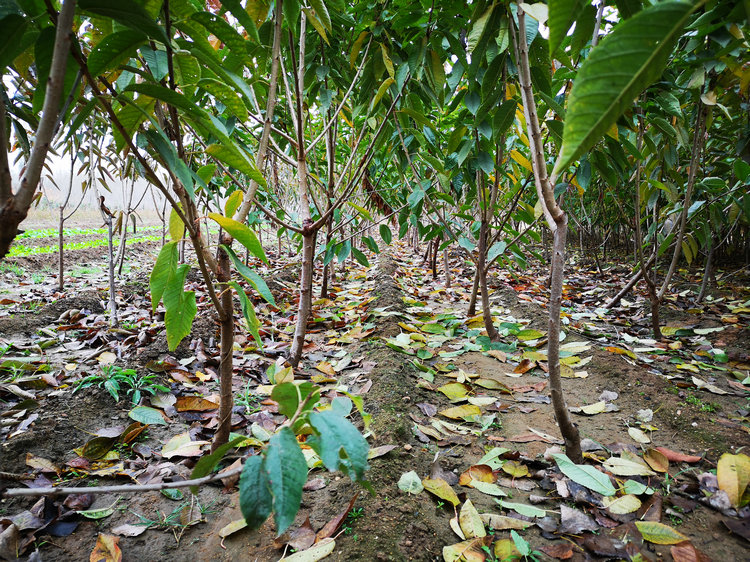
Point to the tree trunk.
(567, 428)
(489, 325)
(446, 269)
(305, 298)
(707, 272)
(226, 346)
(474, 290)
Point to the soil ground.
(62, 336)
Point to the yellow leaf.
(176, 226)
(515, 469)
(461, 412)
(733, 473)
(595, 408)
(327, 368)
(466, 551)
(638, 435)
(470, 521)
(622, 505)
(455, 391)
(521, 159)
(106, 549)
(503, 522)
(441, 489)
(659, 533)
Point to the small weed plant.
(117, 380)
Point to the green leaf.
(585, 475)
(187, 69)
(207, 463)
(131, 115)
(360, 257)
(385, 234)
(371, 244)
(381, 91)
(478, 29)
(617, 70)
(253, 278)
(562, 14)
(248, 311)
(176, 226)
(235, 7)
(225, 95)
(339, 444)
(114, 49)
(659, 533)
(289, 395)
(221, 29)
(164, 268)
(12, 27)
(316, 23)
(235, 158)
(181, 307)
(242, 234)
(147, 416)
(128, 13)
(256, 500)
(322, 13)
(287, 472)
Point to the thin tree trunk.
(489, 325)
(567, 428)
(446, 269)
(695, 157)
(107, 216)
(226, 346)
(558, 222)
(707, 272)
(474, 291)
(652, 296)
(305, 298)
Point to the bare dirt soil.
(399, 381)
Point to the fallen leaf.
(314, 553)
(194, 404)
(686, 552)
(624, 467)
(461, 412)
(674, 456)
(106, 549)
(181, 445)
(656, 460)
(622, 505)
(477, 473)
(733, 474)
(410, 483)
(470, 521)
(466, 551)
(574, 521)
(232, 527)
(559, 551)
(503, 522)
(638, 435)
(659, 533)
(441, 489)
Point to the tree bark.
(474, 291)
(14, 207)
(226, 346)
(558, 223)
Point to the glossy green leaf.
(322, 13)
(242, 234)
(253, 278)
(221, 29)
(164, 268)
(256, 500)
(385, 233)
(585, 475)
(187, 69)
(360, 257)
(242, 15)
(181, 307)
(562, 14)
(287, 472)
(617, 70)
(147, 416)
(12, 27)
(208, 463)
(128, 13)
(114, 49)
(236, 159)
(225, 95)
(339, 444)
(248, 311)
(289, 395)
